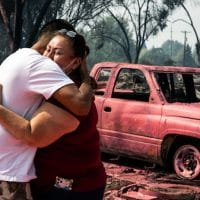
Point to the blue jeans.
(62, 194)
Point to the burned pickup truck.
(150, 113)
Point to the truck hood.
(189, 110)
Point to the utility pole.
(184, 48)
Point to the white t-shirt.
(27, 78)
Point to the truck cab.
(150, 113)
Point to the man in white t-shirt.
(28, 78)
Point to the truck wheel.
(186, 161)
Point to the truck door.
(102, 78)
(129, 122)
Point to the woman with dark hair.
(75, 170)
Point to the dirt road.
(135, 180)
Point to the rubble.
(147, 183)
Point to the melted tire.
(186, 162)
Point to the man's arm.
(47, 125)
(77, 100)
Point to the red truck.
(150, 113)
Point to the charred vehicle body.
(150, 113)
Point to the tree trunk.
(38, 23)
(195, 32)
(18, 22)
(6, 25)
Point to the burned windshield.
(179, 87)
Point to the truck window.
(179, 87)
(131, 84)
(102, 80)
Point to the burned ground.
(135, 180)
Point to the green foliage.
(170, 53)
(172, 47)
(81, 11)
(109, 52)
(146, 18)
(31, 15)
(162, 16)
(175, 50)
(172, 4)
(196, 57)
(154, 56)
(185, 59)
(115, 30)
(37, 14)
(107, 42)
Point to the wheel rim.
(186, 162)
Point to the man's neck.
(38, 47)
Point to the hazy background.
(178, 27)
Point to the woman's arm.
(47, 125)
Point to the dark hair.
(79, 46)
(47, 32)
(76, 75)
(87, 50)
(55, 25)
(50, 29)
(77, 41)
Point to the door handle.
(107, 109)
